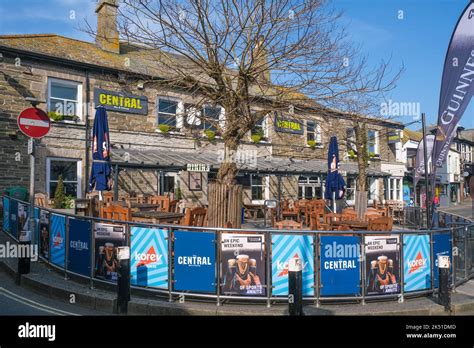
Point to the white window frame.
(178, 115)
(264, 128)
(219, 118)
(376, 142)
(265, 185)
(78, 85)
(318, 136)
(64, 159)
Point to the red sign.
(34, 122)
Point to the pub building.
(288, 161)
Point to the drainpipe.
(86, 186)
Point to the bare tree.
(251, 57)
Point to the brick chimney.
(107, 37)
(260, 57)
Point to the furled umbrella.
(335, 185)
(100, 172)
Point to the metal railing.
(459, 232)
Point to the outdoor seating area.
(316, 215)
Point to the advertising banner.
(442, 247)
(340, 265)
(57, 239)
(6, 214)
(457, 85)
(416, 262)
(79, 246)
(149, 257)
(195, 261)
(43, 239)
(288, 125)
(22, 217)
(382, 256)
(121, 102)
(284, 248)
(243, 264)
(108, 238)
(13, 218)
(37, 218)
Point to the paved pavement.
(17, 300)
(464, 209)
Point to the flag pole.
(425, 158)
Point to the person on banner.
(107, 261)
(242, 275)
(381, 275)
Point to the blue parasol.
(335, 184)
(100, 173)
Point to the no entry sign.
(34, 122)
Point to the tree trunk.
(362, 162)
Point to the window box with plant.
(61, 200)
(57, 117)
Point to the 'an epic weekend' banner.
(382, 256)
(416, 262)
(107, 239)
(457, 85)
(195, 261)
(149, 257)
(243, 264)
(285, 247)
(340, 265)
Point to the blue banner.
(416, 262)
(79, 246)
(284, 248)
(58, 239)
(149, 257)
(442, 247)
(14, 218)
(37, 219)
(457, 86)
(340, 265)
(195, 261)
(6, 214)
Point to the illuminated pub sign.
(288, 125)
(121, 102)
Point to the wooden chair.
(195, 217)
(289, 225)
(162, 201)
(315, 218)
(41, 200)
(84, 207)
(312, 206)
(115, 212)
(383, 223)
(290, 210)
(348, 217)
(174, 206)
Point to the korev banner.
(195, 261)
(416, 262)
(457, 85)
(285, 247)
(149, 257)
(58, 240)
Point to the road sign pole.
(31, 151)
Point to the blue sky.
(418, 41)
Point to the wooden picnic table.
(356, 225)
(157, 216)
(252, 210)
